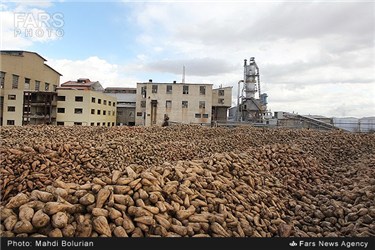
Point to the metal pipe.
(238, 101)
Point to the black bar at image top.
(186, 243)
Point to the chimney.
(174, 81)
(150, 80)
(245, 62)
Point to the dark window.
(139, 113)
(15, 82)
(185, 90)
(197, 115)
(11, 97)
(202, 90)
(113, 104)
(26, 109)
(221, 92)
(98, 124)
(10, 122)
(92, 124)
(103, 123)
(104, 102)
(93, 99)
(205, 115)
(144, 91)
(61, 98)
(113, 124)
(27, 83)
(54, 88)
(104, 112)
(109, 103)
(185, 104)
(78, 111)
(221, 101)
(98, 112)
(37, 85)
(169, 89)
(154, 88)
(99, 101)
(2, 79)
(79, 98)
(202, 104)
(60, 123)
(46, 87)
(108, 124)
(11, 109)
(77, 123)
(168, 104)
(93, 111)
(60, 110)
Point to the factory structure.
(31, 94)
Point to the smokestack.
(150, 80)
(245, 62)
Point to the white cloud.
(96, 69)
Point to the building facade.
(27, 89)
(83, 102)
(126, 103)
(185, 103)
(221, 102)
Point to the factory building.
(221, 102)
(27, 89)
(84, 102)
(185, 103)
(126, 103)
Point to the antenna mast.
(183, 74)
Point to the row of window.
(108, 124)
(201, 115)
(80, 111)
(185, 90)
(15, 83)
(62, 98)
(184, 104)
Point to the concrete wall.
(87, 119)
(30, 66)
(222, 94)
(176, 113)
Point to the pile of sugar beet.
(185, 181)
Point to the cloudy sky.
(315, 57)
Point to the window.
(77, 123)
(109, 103)
(154, 88)
(10, 122)
(113, 124)
(98, 124)
(54, 88)
(113, 104)
(139, 113)
(113, 113)
(108, 124)
(37, 85)
(144, 91)
(104, 102)
(93, 99)
(2, 79)
(11, 108)
(221, 101)
(221, 92)
(168, 104)
(93, 111)
(46, 87)
(78, 111)
(185, 90)
(27, 84)
(109, 112)
(103, 123)
(169, 89)
(99, 101)
(11, 97)
(60, 123)
(202, 90)
(205, 115)
(26, 109)
(61, 98)
(202, 104)
(197, 115)
(79, 98)
(92, 124)
(15, 82)
(60, 110)
(104, 112)
(98, 112)
(184, 104)
(143, 104)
